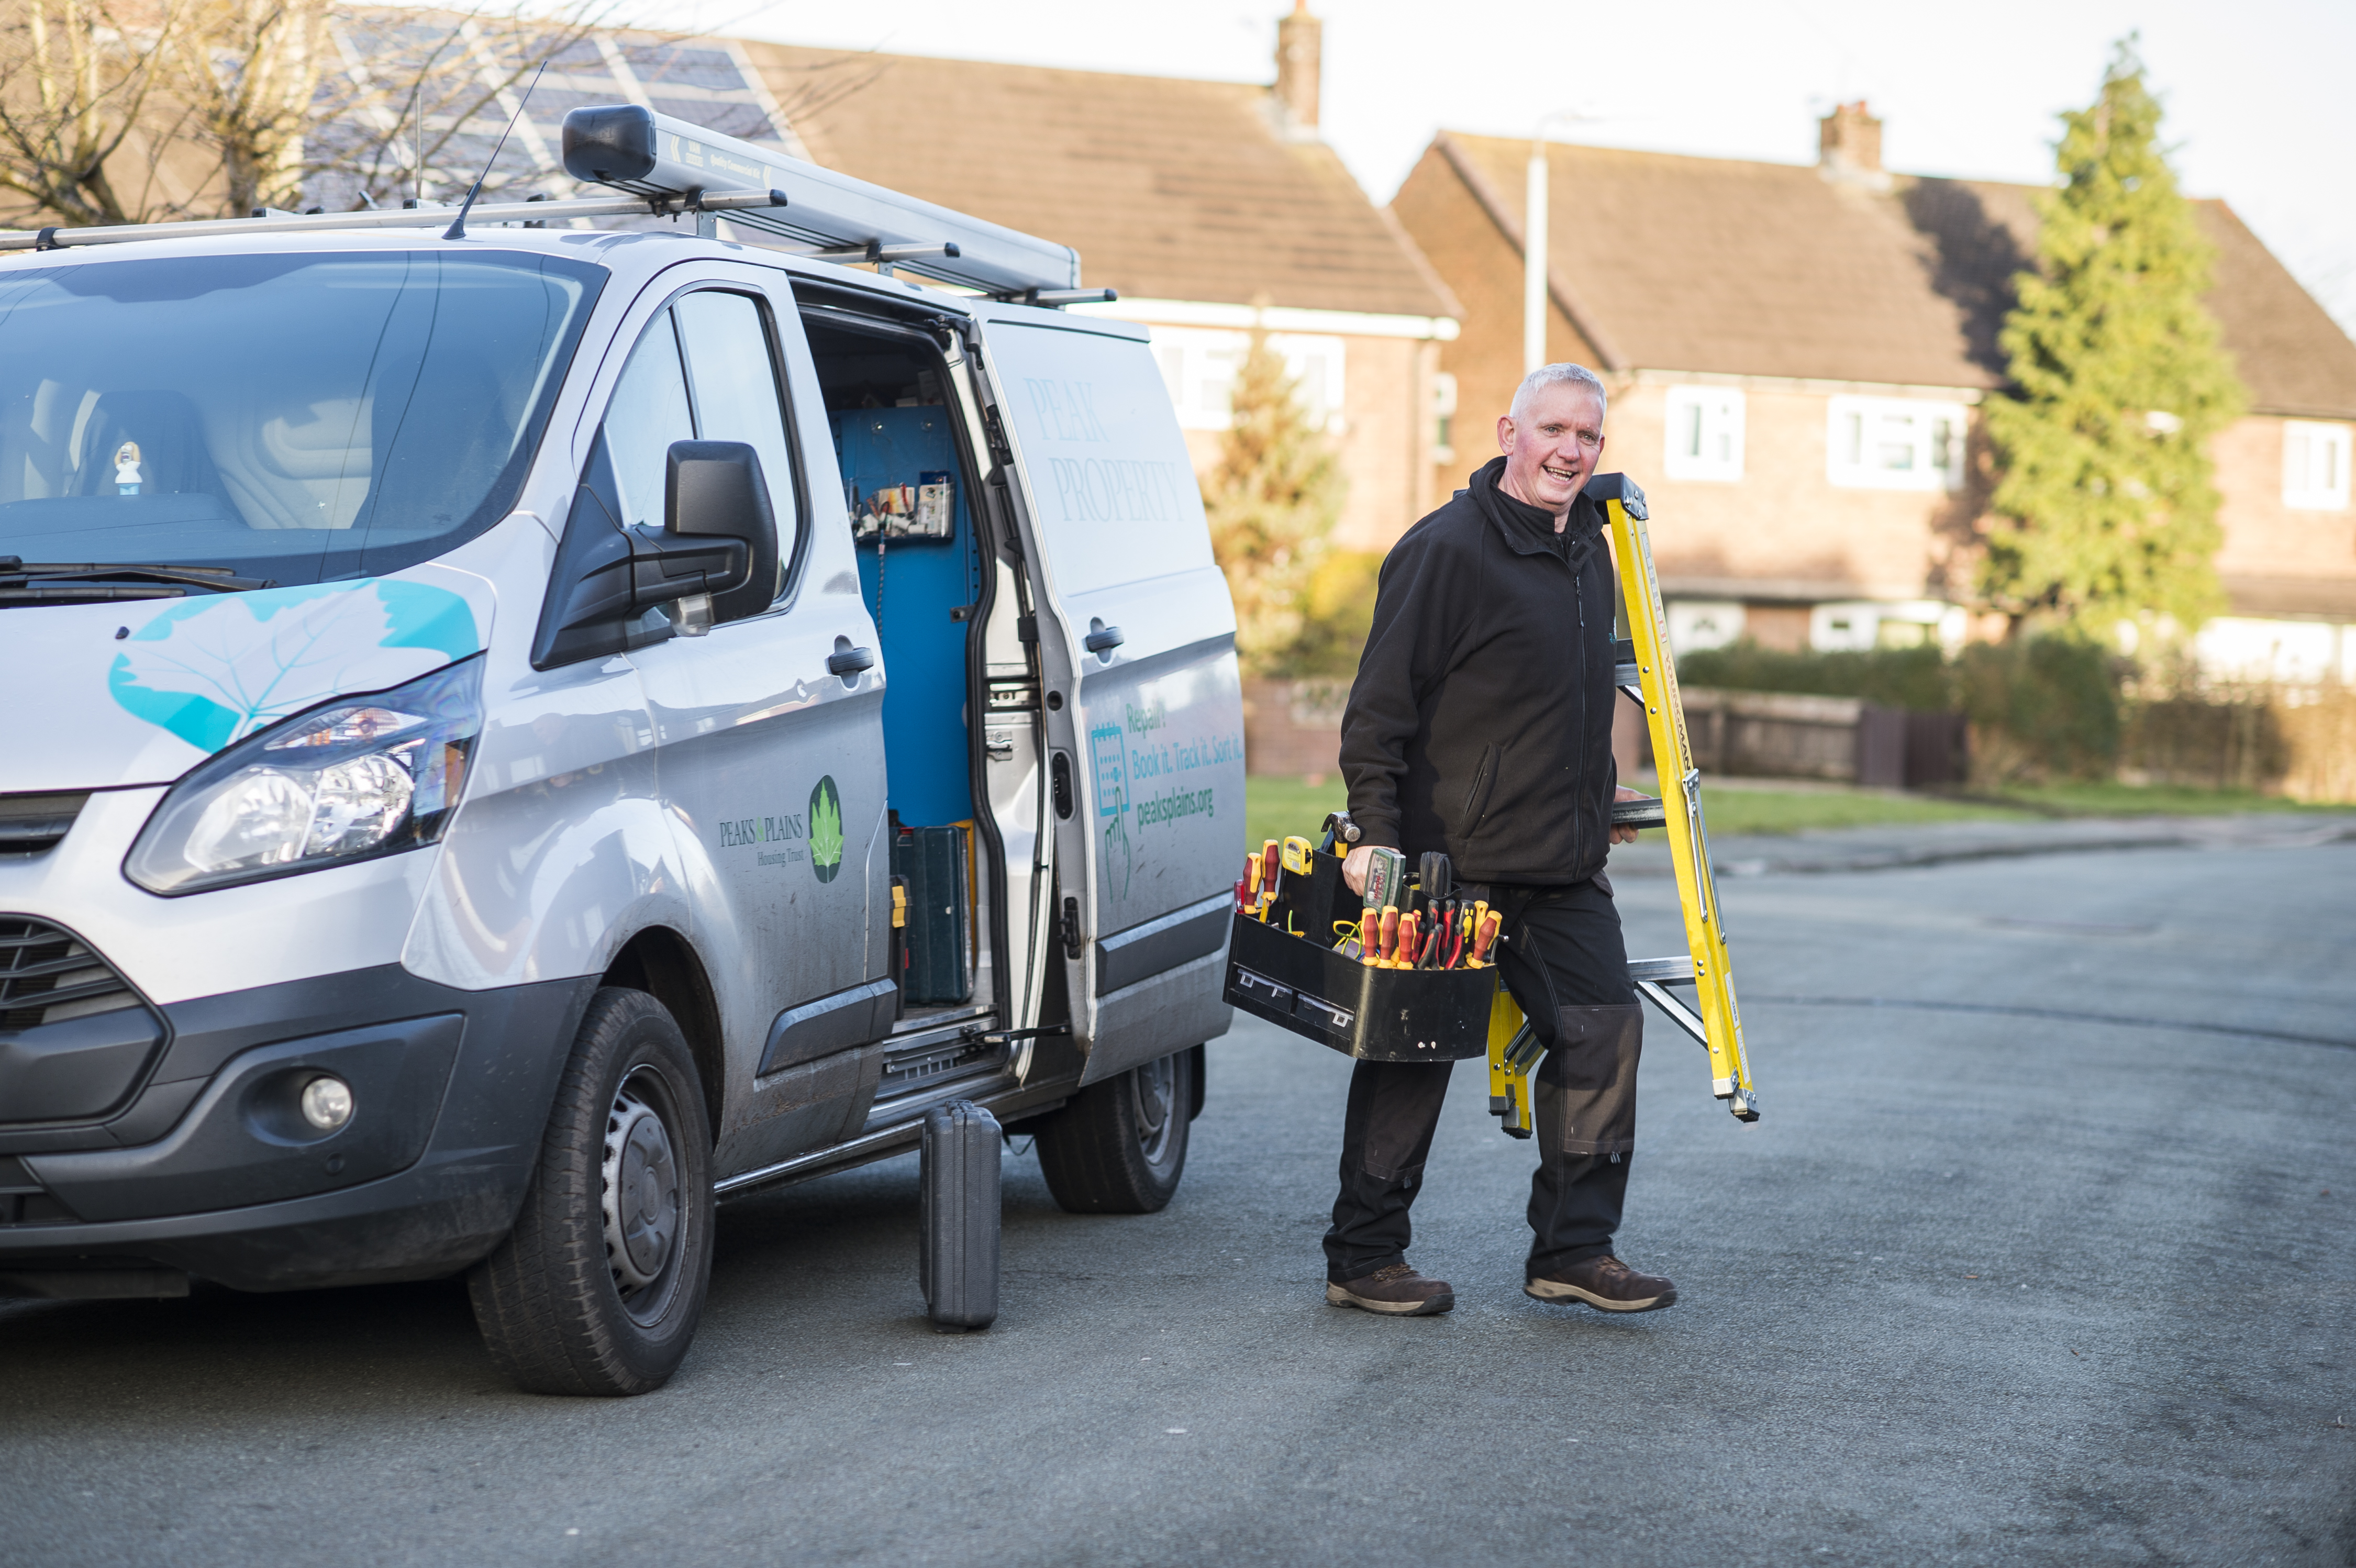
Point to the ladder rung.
(1660, 970)
(1648, 813)
(1626, 674)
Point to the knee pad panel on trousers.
(1585, 1100)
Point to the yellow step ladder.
(1647, 673)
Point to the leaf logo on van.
(215, 669)
(826, 829)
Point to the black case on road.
(957, 1261)
(1302, 983)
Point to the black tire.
(1119, 1147)
(598, 1288)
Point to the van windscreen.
(299, 417)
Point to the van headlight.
(359, 778)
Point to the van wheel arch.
(661, 962)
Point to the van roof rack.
(536, 211)
(635, 149)
(669, 167)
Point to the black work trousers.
(1585, 1098)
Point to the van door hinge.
(1001, 452)
(1072, 930)
(1026, 628)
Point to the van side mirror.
(714, 491)
(719, 539)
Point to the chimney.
(1848, 144)
(1298, 51)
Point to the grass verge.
(2144, 800)
(1279, 807)
(1274, 807)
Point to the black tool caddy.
(1303, 983)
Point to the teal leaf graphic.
(215, 669)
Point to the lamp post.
(1534, 241)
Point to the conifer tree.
(2105, 509)
(1273, 497)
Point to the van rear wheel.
(598, 1288)
(1119, 1147)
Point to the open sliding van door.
(1137, 644)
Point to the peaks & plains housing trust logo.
(826, 829)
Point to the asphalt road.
(2046, 1259)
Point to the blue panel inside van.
(919, 583)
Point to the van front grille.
(32, 824)
(47, 975)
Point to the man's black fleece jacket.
(1480, 720)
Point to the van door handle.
(1102, 638)
(847, 661)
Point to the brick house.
(1212, 206)
(1797, 356)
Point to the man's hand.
(1354, 867)
(1624, 835)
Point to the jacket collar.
(1529, 529)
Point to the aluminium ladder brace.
(1648, 674)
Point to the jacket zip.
(1579, 812)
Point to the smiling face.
(1552, 449)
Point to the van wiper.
(108, 581)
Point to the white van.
(477, 705)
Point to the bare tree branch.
(77, 78)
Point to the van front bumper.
(208, 1171)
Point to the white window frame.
(1702, 435)
(1199, 365)
(2315, 465)
(1893, 443)
(1443, 417)
(1697, 624)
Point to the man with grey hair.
(1479, 725)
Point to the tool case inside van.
(1301, 983)
(938, 954)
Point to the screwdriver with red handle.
(1483, 936)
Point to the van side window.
(724, 388)
(734, 386)
(649, 411)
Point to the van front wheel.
(1121, 1145)
(598, 1288)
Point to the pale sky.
(2257, 94)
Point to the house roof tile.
(1169, 188)
(1715, 265)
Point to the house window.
(1894, 443)
(2315, 465)
(1443, 417)
(1705, 434)
(1696, 624)
(1199, 366)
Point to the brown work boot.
(1397, 1289)
(1604, 1280)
